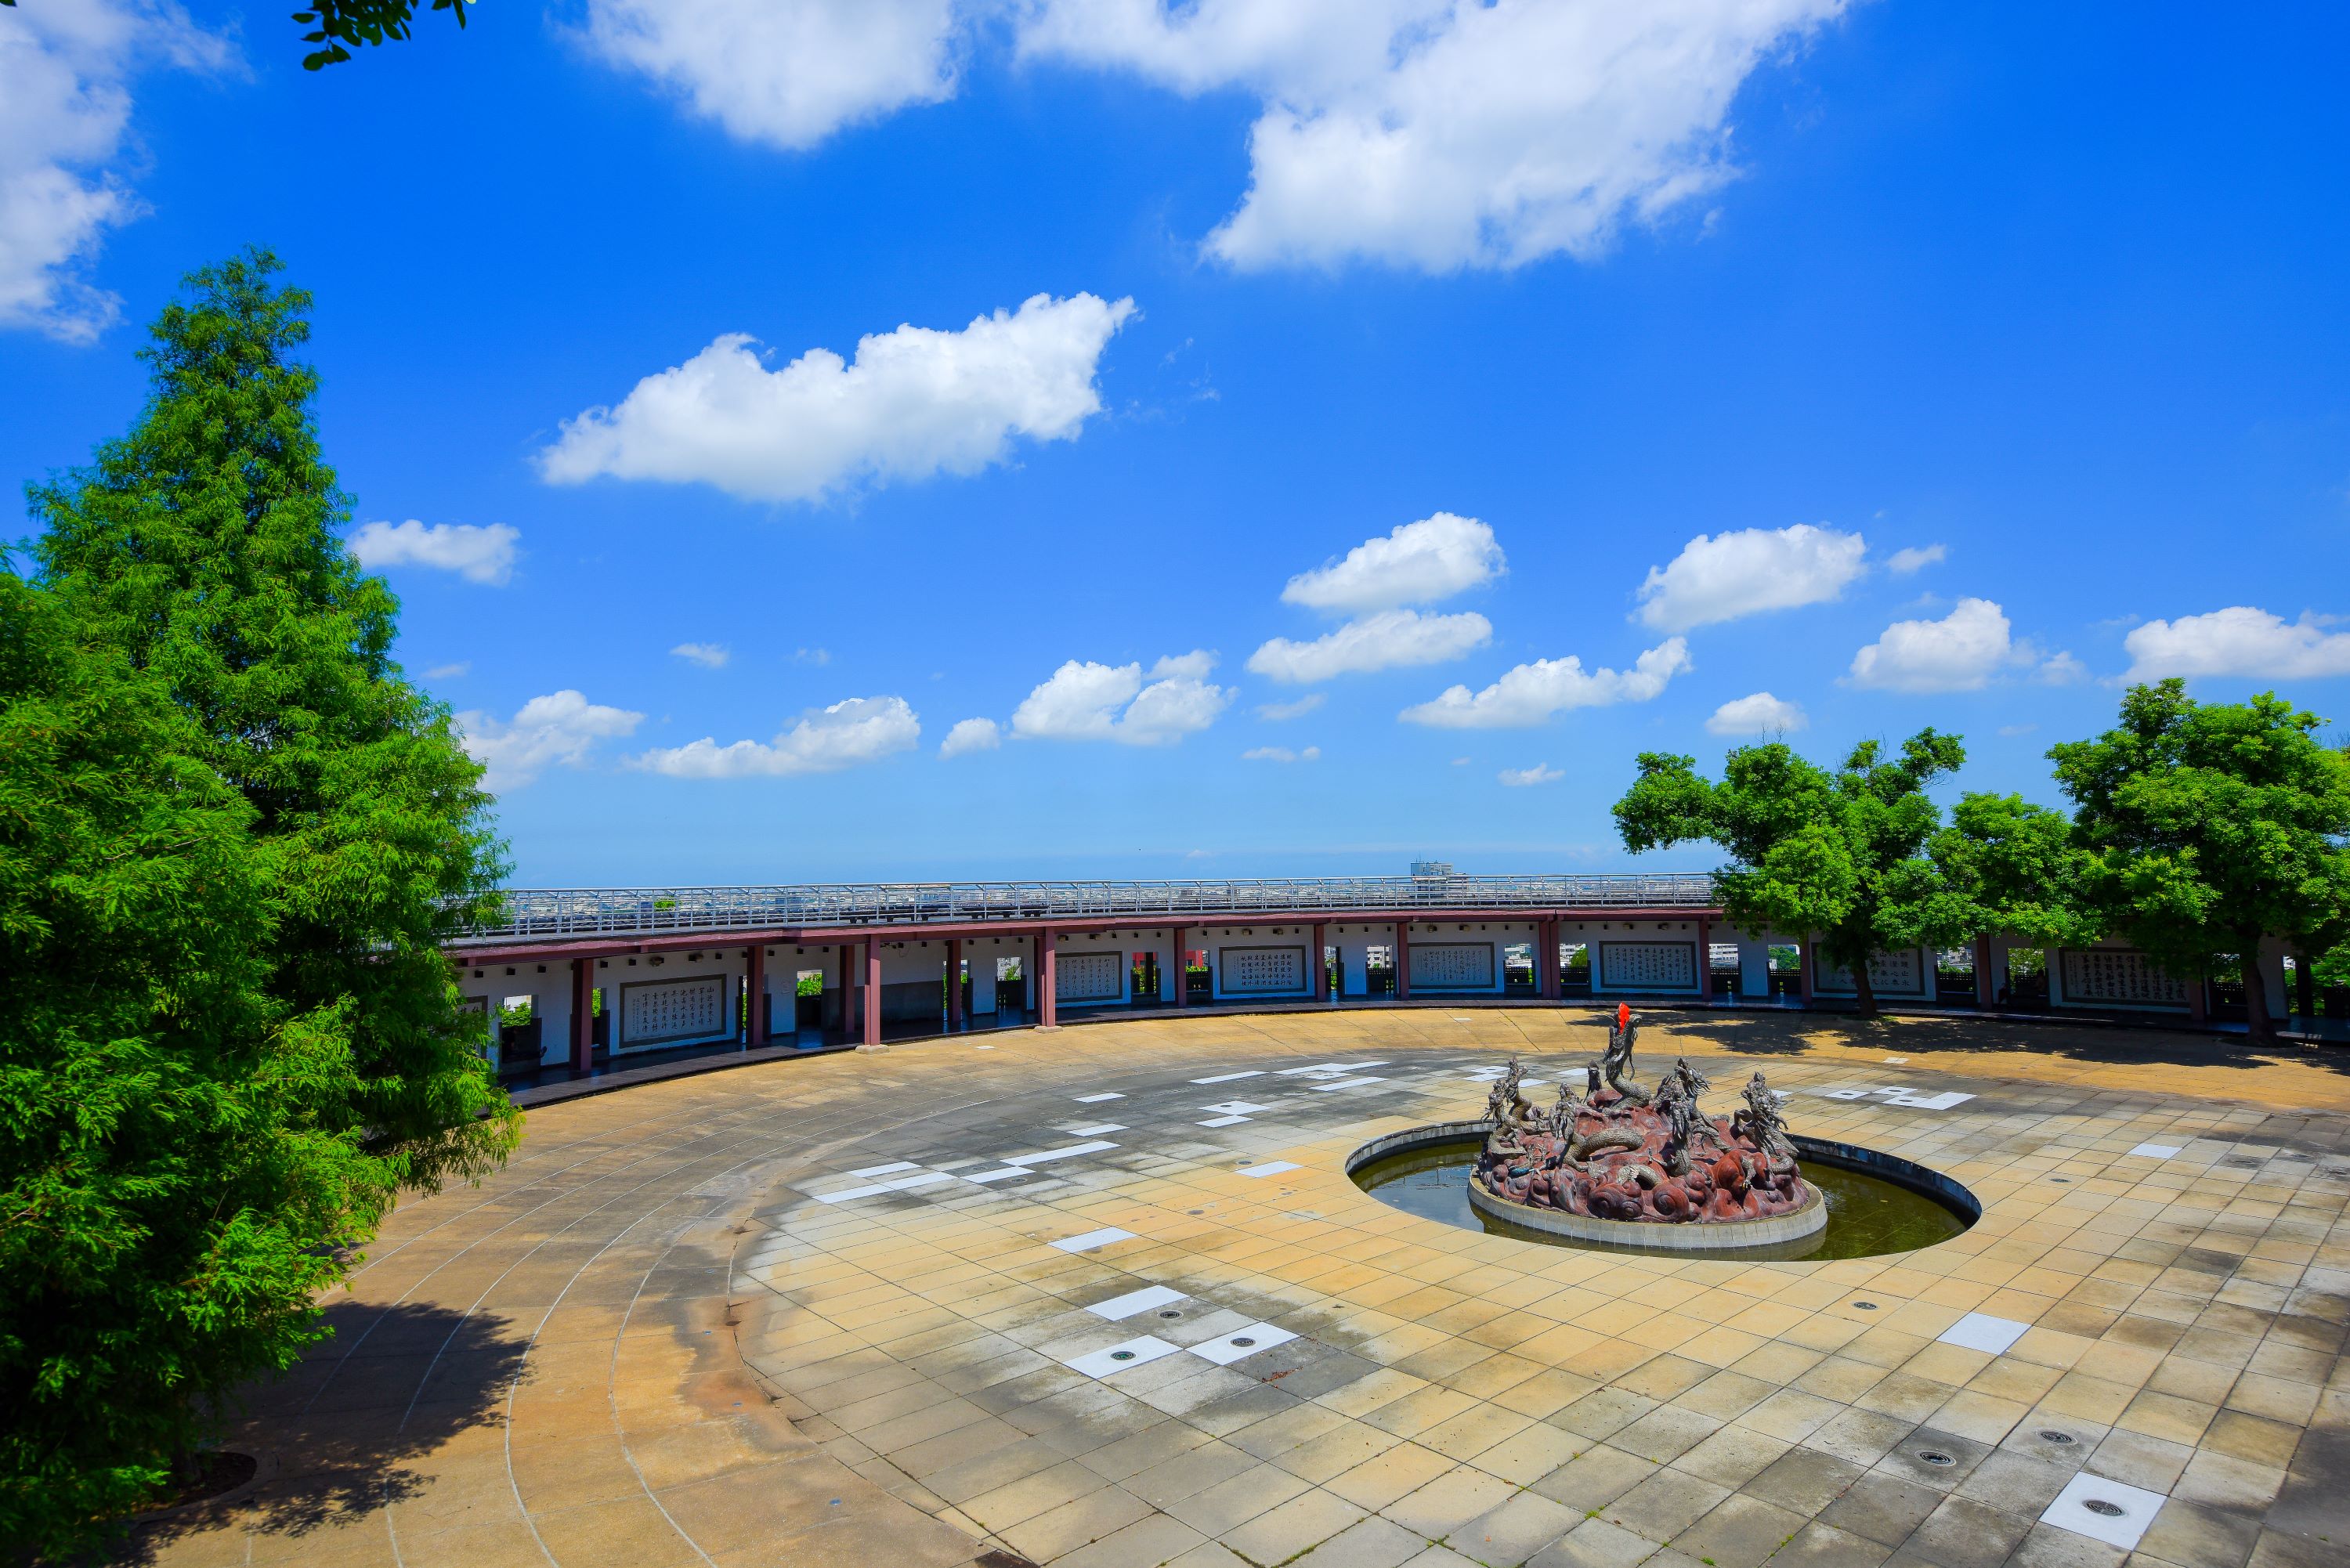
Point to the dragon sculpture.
(1618, 1152)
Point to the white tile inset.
(2107, 1510)
(895, 1184)
(1147, 1299)
(1095, 1129)
(1346, 1084)
(1270, 1167)
(1092, 1239)
(1942, 1102)
(1123, 1357)
(1234, 1108)
(871, 1171)
(1980, 1331)
(1232, 1078)
(1248, 1341)
(1097, 1099)
(996, 1175)
(2156, 1150)
(1065, 1152)
(1223, 1121)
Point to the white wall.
(1595, 934)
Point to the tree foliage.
(163, 1186)
(339, 27)
(2208, 826)
(235, 839)
(1838, 853)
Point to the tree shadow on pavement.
(341, 1434)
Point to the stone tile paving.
(664, 1334)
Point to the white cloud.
(819, 656)
(971, 735)
(788, 73)
(1726, 576)
(2238, 641)
(1901, 562)
(1960, 652)
(914, 403)
(1532, 693)
(1388, 640)
(858, 730)
(65, 134)
(560, 727)
(2062, 670)
(1758, 714)
(477, 554)
(1434, 135)
(1090, 701)
(1281, 754)
(1278, 711)
(2011, 731)
(1417, 564)
(709, 655)
(450, 672)
(1539, 774)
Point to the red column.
(1403, 960)
(1804, 962)
(1181, 981)
(847, 990)
(1985, 995)
(872, 992)
(1321, 965)
(583, 1024)
(1049, 1011)
(1704, 960)
(755, 987)
(954, 983)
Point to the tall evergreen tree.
(164, 1185)
(207, 544)
(232, 840)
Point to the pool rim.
(1625, 1235)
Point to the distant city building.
(1431, 867)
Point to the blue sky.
(1909, 364)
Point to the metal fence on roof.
(615, 911)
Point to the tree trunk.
(1863, 993)
(2258, 1022)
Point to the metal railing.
(616, 911)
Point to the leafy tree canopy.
(339, 27)
(1841, 854)
(2211, 825)
(232, 841)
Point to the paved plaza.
(1105, 1296)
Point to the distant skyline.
(921, 438)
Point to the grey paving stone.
(1908, 1462)
(1818, 1545)
(2015, 1483)
(1883, 1508)
(1964, 1533)
(1741, 1533)
(2200, 1537)
(1805, 1480)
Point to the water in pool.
(1868, 1215)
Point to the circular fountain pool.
(1876, 1203)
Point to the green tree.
(2002, 865)
(2211, 826)
(337, 26)
(164, 1185)
(204, 549)
(1838, 853)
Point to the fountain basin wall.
(1776, 1232)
